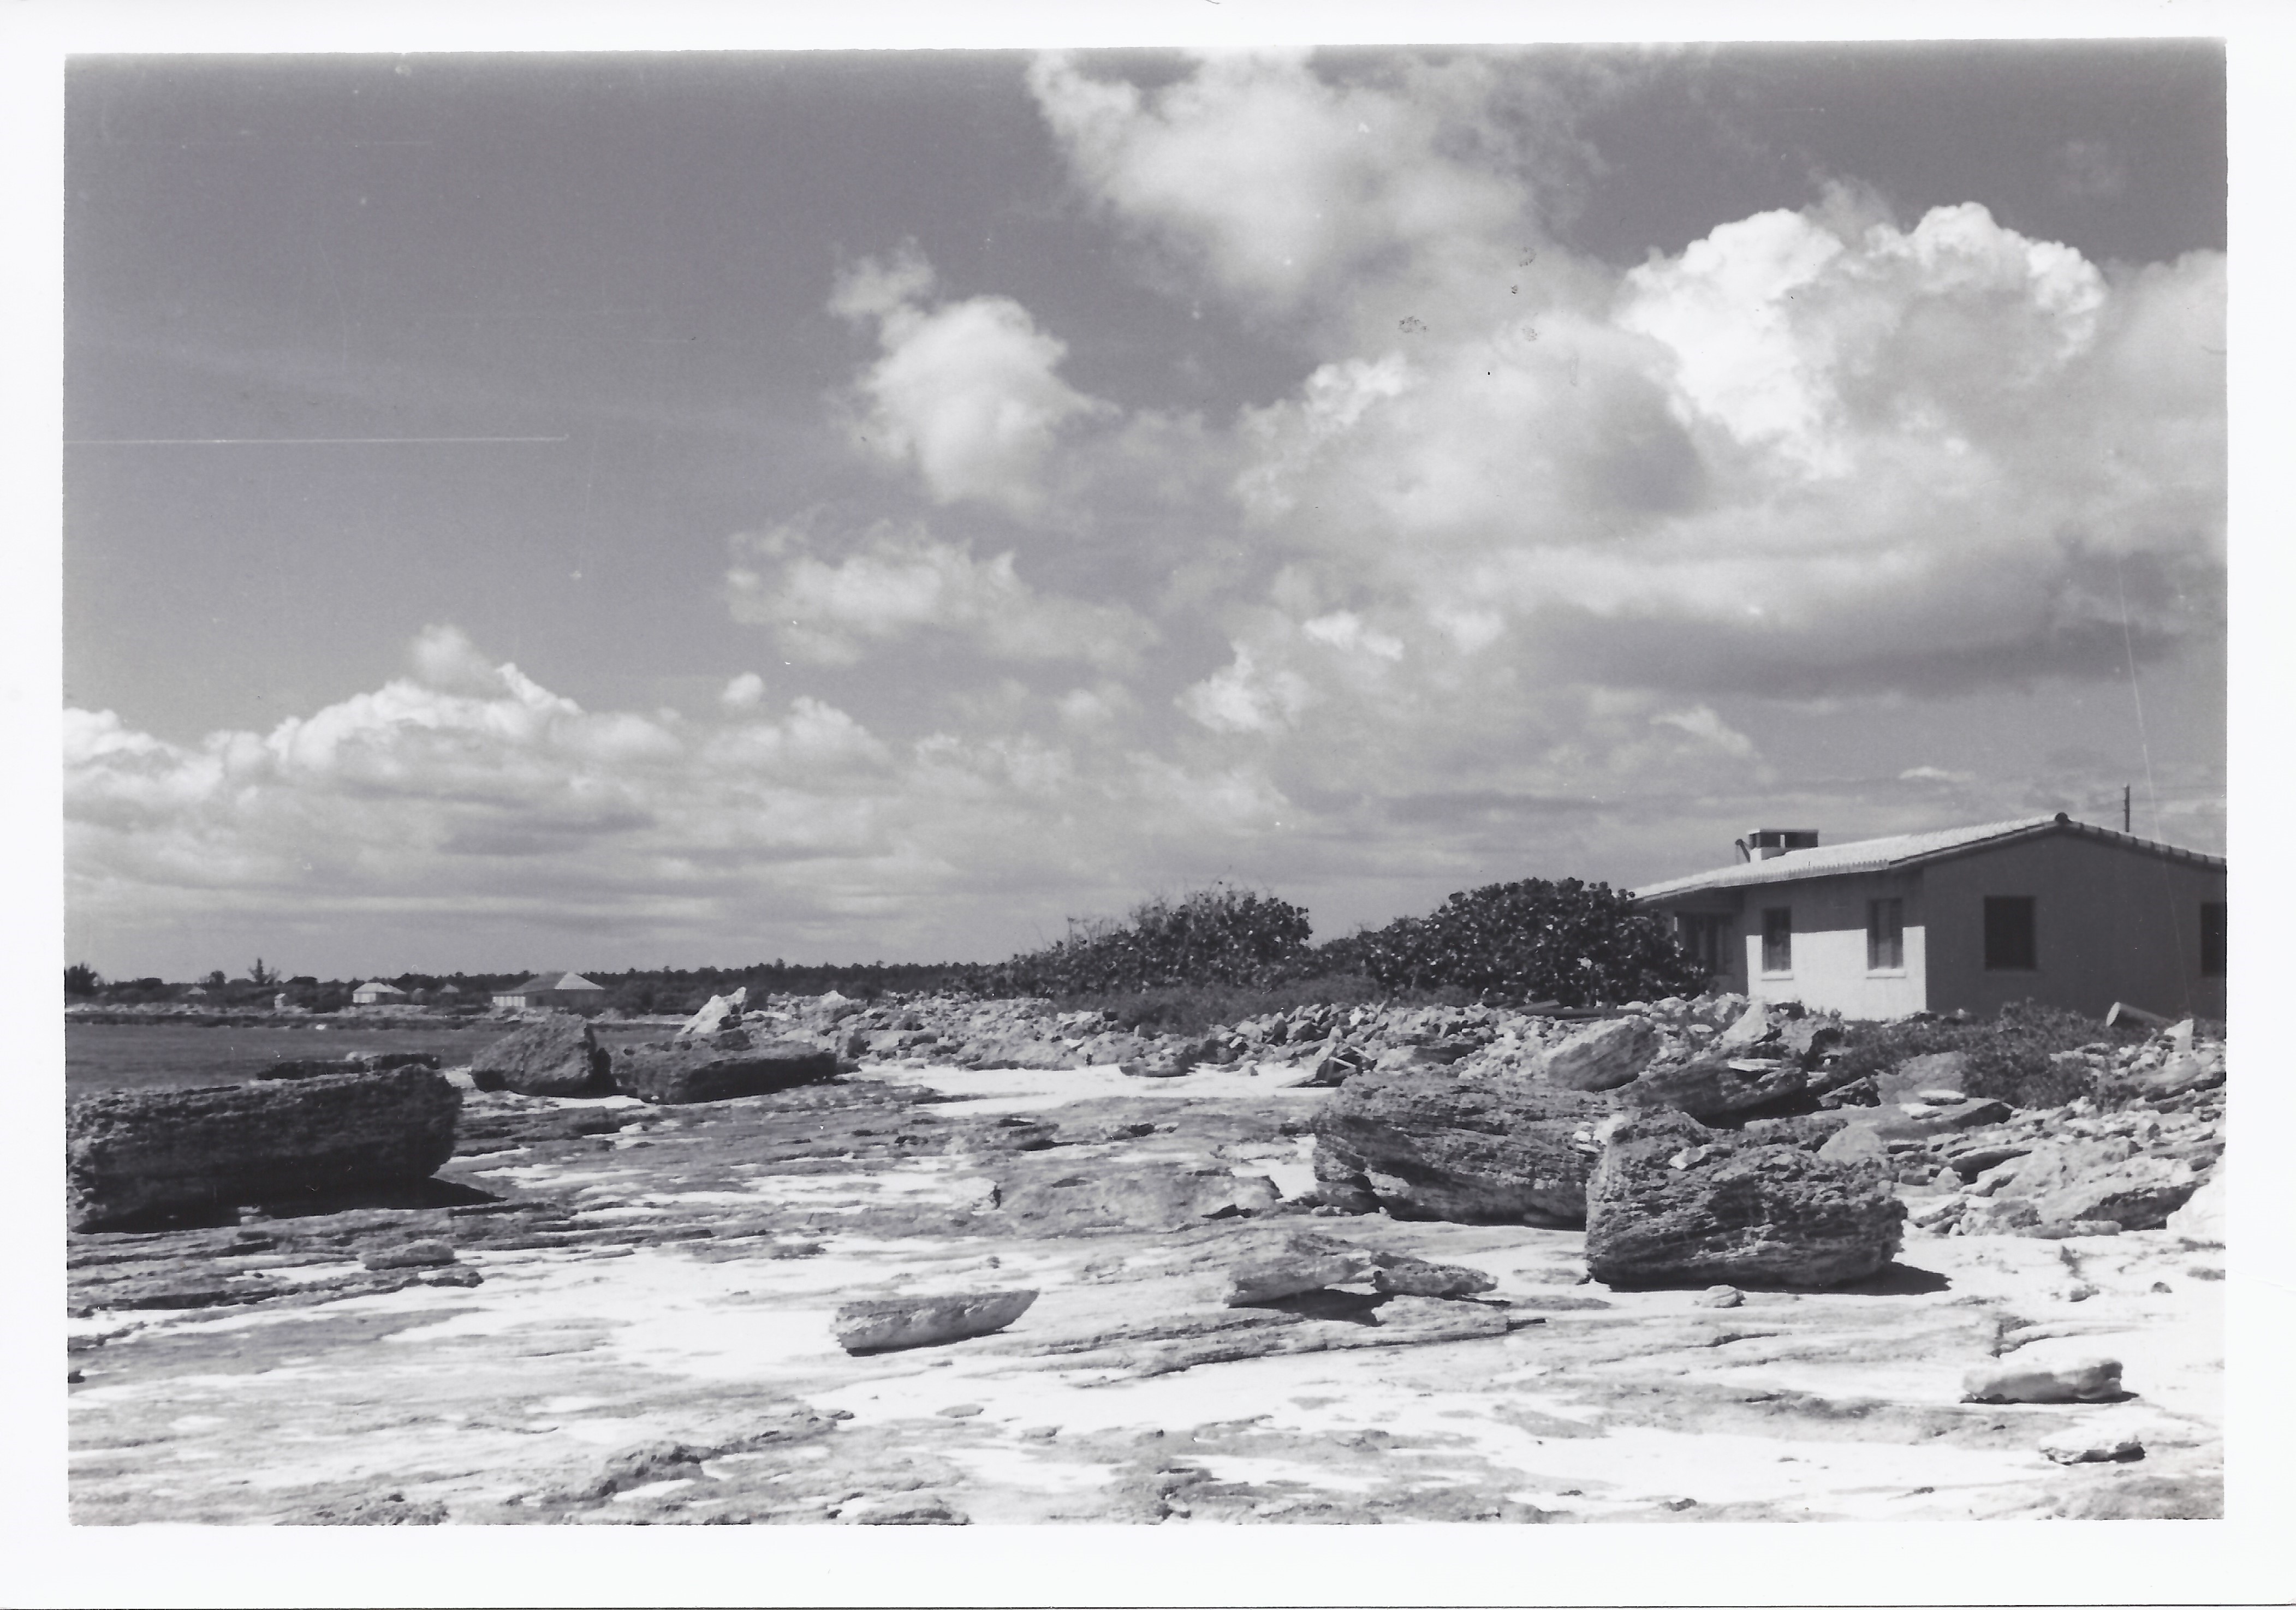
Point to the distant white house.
(571, 990)
(374, 991)
(2046, 908)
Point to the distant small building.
(1965, 918)
(571, 990)
(376, 992)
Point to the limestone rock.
(1401, 1275)
(1673, 1202)
(719, 1012)
(412, 1254)
(1941, 1071)
(2105, 1178)
(2094, 1448)
(131, 1153)
(315, 1067)
(2015, 1381)
(1712, 1087)
(721, 1069)
(1602, 1056)
(1753, 1025)
(886, 1324)
(2201, 1220)
(558, 1054)
(1295, 1264)
(1497, 1148)
(1144, 1197)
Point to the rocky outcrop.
(1675, 1202)
(1713, 1087)
(558, 1054)
(888, 1324)
(1946, 1072)
(1493, 1148)
(1602, 1056)
(129, 1155)
(1296, 1264)
(719, 1068)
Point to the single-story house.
(374, 991)
(2046, 909)
(571, 990)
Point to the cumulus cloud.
(493, 809)
(901, 584)
(966, 393)
(1280, 185)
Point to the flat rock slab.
(2079, 1381)
(1141, 1196)
(889, 1324)
(130, 1154)
(1673, 1202)
(1712, 1087)
(714, 1070)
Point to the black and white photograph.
(1187, 786)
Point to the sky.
(645, 510)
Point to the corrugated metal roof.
(1900, 850)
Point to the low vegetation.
(2011, 1055)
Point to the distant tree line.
(1568, 942)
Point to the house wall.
(2111, 924)
(1829, 968)
(1829, 971)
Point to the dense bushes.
(1219, 936)
(1573, 942)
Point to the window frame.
(1774, 930)
(1990, 933)
(1893, 959)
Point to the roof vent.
(1766, 844)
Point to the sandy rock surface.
(638, 1322)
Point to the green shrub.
(1219, 935)
(1574, 943)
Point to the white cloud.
(744, 692)
(901, 584)
(1283, 185)
(967, 394)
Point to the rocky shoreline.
(958, 1260)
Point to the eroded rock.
(890, 1324)
(1673, 1202)
(1498, 1147)
(558, 1054)
(2018, 1381)
(721, 1069)
(133, 1153)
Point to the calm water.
(122, 1055)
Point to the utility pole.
(2124, 807)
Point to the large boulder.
(1602, 1056)
(1675, 1202)
(1713, 1086)
(558, 1054)
(1500, 1146)
(726, 1065)
(717, 1013)
(2200, 1221)
(130, 1154)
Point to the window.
(1705, 937)
(2009, 944)
(1885, 935)
(2212, 939)
(1777, 939)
